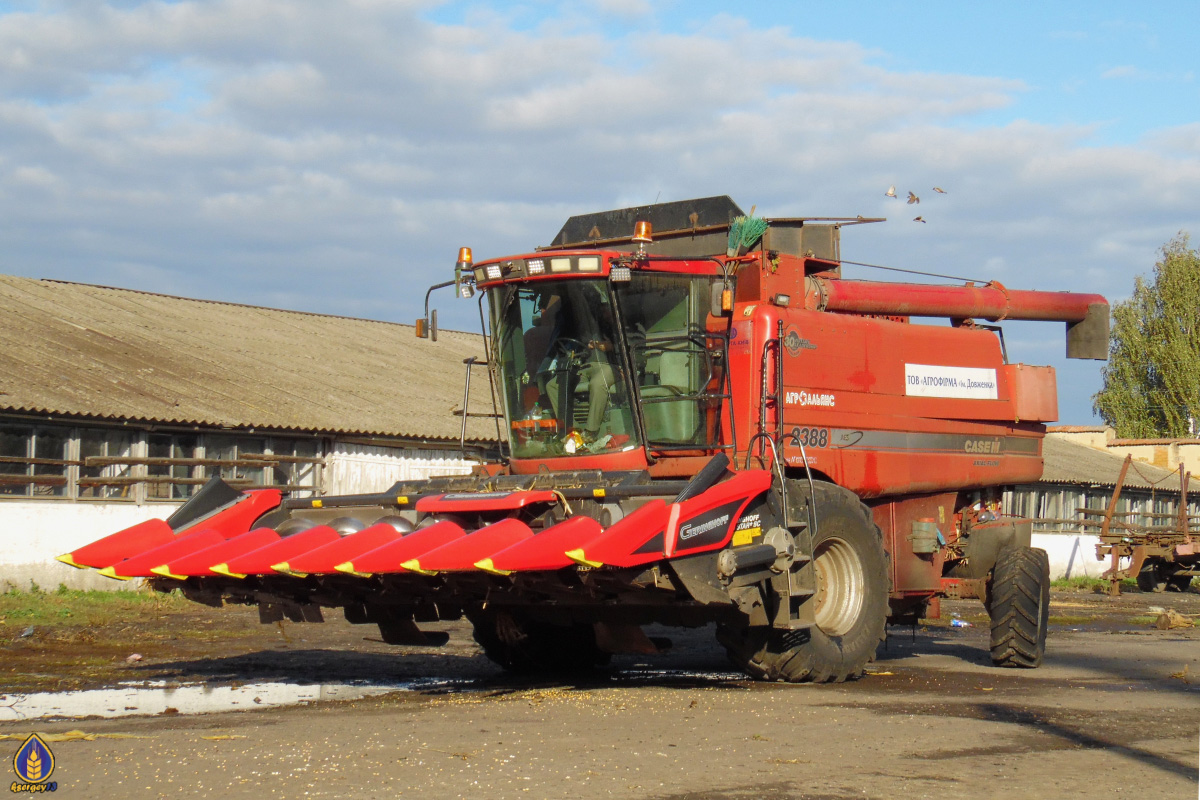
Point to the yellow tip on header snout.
(348, 568)
(413, 565)
(66, 559)
(487, 566)
(579, 558)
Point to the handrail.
(777, 467)
(473, 361)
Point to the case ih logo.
(982, 446)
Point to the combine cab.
(703, 425)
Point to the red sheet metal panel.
(389, 557)
(259, 562)
(546, 550)
(140, 566)
(706, 521)
(237, 519)
(325, 559)
(1035, 392)
(482, 501)
(637, 539)
(461, 554)
(200, 562)
(121, 545)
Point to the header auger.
(698, 425)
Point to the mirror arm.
(429, 326)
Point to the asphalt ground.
(1114, 711)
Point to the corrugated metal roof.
(1068, 462)
(76, 349)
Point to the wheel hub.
(840, 586)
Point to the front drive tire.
(851, 603)
(523, 645)
(1019, 606)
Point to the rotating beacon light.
(461, 288)
(643, 235)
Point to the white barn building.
(117, 405)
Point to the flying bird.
(939, 190)
(912, 198)
(891, 192)
(918, 219)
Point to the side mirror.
(427, 328)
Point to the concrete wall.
(1071, 554)
(1097, 438)
(359, 469)
(34, 532)
(1164, 454)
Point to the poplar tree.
(1152, 378)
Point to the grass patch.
(78, 607)
(1071, 620)
(1082, 583)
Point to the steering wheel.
(565, 346)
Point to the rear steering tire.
(1149, 579)
(1179, 583)
(850, 606)
(1018, 603)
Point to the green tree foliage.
(1152, 378)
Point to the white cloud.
(1124, 71)
(624, 9)
(336, 156)
(1132, 73)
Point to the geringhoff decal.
(688, 530)
(931, 380)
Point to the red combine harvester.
(701, 422)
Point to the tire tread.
(767, 654)
(1019, 607)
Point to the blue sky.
(1122, 70)
(333, 156)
